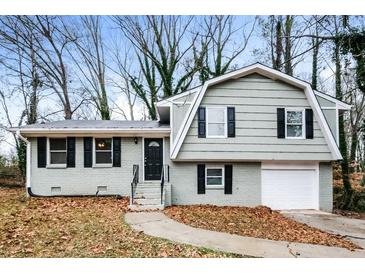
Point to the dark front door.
(153, 159)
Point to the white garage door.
(289, 188)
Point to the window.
(57, 151)
(294, 124)
(214, 177)
(153, 144)
(216, 122)
(103, 151)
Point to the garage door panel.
(288, 188)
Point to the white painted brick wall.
(84, 181)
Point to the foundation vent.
(102, 188)
(56, 190)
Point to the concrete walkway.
(352, 229)
(159, 225)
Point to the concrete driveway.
(353, 229)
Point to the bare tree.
(161, 41)
(90, 47)
(218, 40)
(50, 43)
(22, 66)
(147, 88)
(124, 81)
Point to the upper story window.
(57, 151)
(216, 122)
(103, 151)
(294, 124)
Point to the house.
(254, 136)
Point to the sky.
(115, 41)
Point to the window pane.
(57, 143)
(216, 129)
(215, 115)
(103, 157)
(214, 172)
(103, 143)
(153, 144)
(294, 117)
(58, 158)
(294, 131)
(214, 181)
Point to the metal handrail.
(165, 174)
(134, 182)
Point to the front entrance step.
(149, 190)
(147, 195)
(145, 207)
(143, 186)
(147, 201)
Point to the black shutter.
(42, 151)
(71, 151)
(281, 122)
(228, 179)
(201, 122)
(116, 151)
(231, 118)
(201, 179)
(309, 123)
(88, 151)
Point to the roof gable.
(266, 72)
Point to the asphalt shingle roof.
(118, 124)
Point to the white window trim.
(94, 153)
(303, 123)
(206, 177)
(49, 164)
(207, 122)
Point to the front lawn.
(77, 227)
(258, 222)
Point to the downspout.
(28, 167)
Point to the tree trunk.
(104, 106)
(347, 197)
(288, 62)
(278, 46)
(68, 112)
(353, 148)
(315, 63)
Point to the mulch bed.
(258, 222)
(78, 227)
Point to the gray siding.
(179, 111)
(325, 187)
(84, 181)
(330, 115)
(324, 102)
(256, 99)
